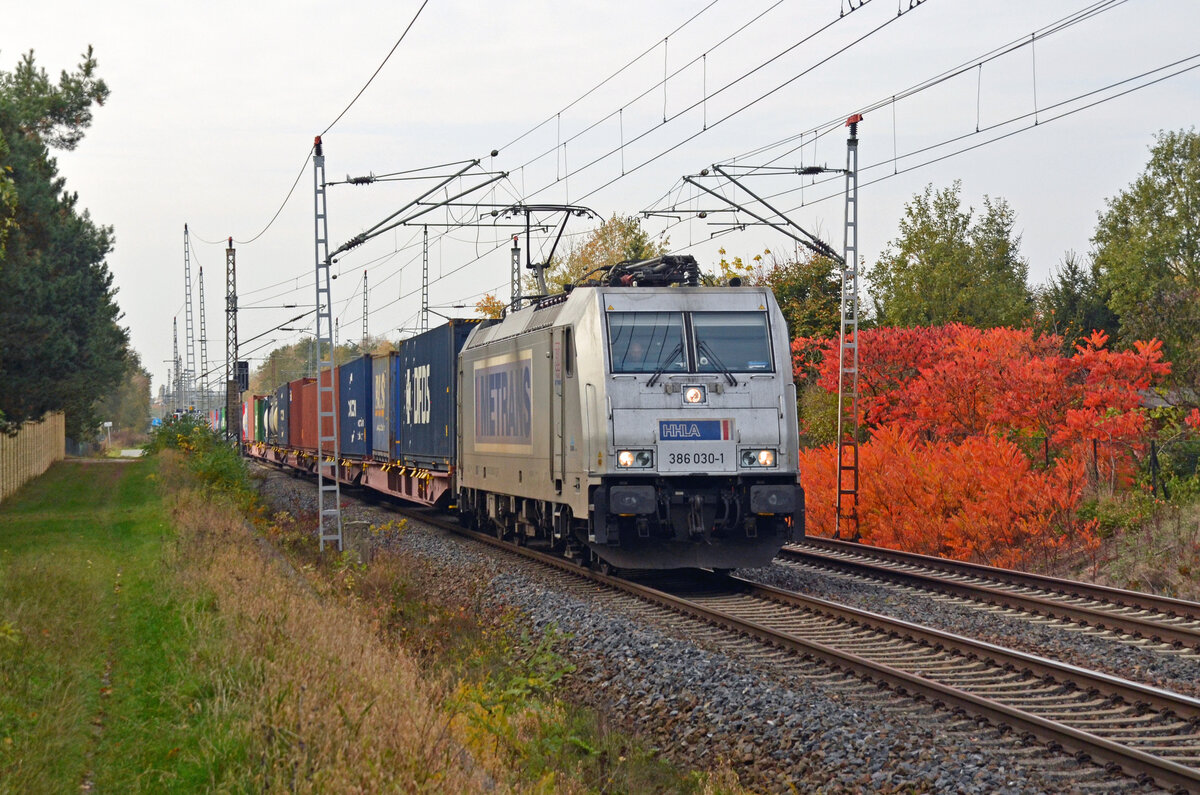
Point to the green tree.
(61, 347)
(127, 407)
(618, 239)
(1073, 304)
(809, 291)
(299, 360)
(807, 286)
(947, 266)
(1147, 253)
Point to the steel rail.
(1144, 627)
(1135, 693)
(1056, 734)
(1132, 760)
(1169, 606)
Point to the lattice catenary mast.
(233, 428)
(847, 430)
(189, 400)
(329, 490)
(425, 280)
(176, 386)
(203, 347)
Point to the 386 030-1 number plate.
(697, 457)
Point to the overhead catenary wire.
(1059, 25)
(378, 69)
(834, 125)
(304, 165)
(742, 108)
(619, 113)
(1042, 122)
(608, 79)
(557, 117)
(503, 241)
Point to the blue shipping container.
(427, 395)
(357, 419)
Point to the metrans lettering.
(503, 402)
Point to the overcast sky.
(214, 107)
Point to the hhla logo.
(680, 430)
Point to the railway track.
(1146, 732)
(1169, 624)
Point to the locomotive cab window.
(646, 342)
(731, 341)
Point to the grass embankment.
(152, 643)
(97, 684)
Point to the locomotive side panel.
(500, 438)
(522, 441)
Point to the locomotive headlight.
(694, 394)
(758, 458)
(639, 459)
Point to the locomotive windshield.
(645, 342)
(651, 342)
(734, 341)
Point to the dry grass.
(1161, 556)
(331, 706)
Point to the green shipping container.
(260, 419)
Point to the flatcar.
(639, 421)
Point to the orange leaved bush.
(944, 471)
(980, 499)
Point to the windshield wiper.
(662, 367)
(703, 347)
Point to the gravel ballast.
(703, 697)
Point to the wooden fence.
(31, 452)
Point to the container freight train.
(641, 421)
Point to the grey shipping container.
(277, 419)
(426, 395)
(357, 420)
(382, 400)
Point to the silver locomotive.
(642, 421)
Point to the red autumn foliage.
(946, 407)
(980, 499)
(955, 381)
